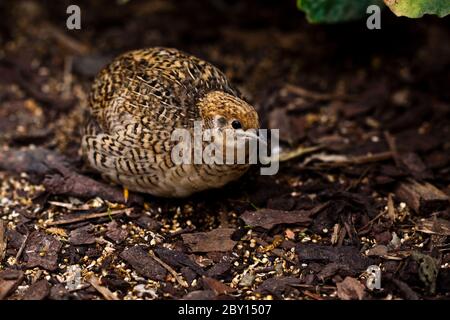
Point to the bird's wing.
(157, 87)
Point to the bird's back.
(157, 86)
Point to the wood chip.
(200, 295)
(378, 250)
(37, 291)
(214, 240)
(392, 214)
(143, 264)
(345, 255)
(434, 226)
(116, 233)
(42, 251)
(351, 289)
(422, 197)
(407, 292)
(177, 259)
(82, 235)
(218, 287)
(9, 281)
(171, 270)
(269, 218)
(277, 285)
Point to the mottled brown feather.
(135, 104)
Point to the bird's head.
(230, 119)
(220, 110)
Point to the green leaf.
(417, 8)
(332, 11)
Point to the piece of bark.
(177, 259)
(215, 240)
(80, 186)
(407, 292)
(175, 274)
(422, 197)
(188, 274)
(14, 239)
(59, 292)
(351, 289)
(42, 251)
(148, 223)
(32, 161)
(200, 295)
(344, 255)
(82, 235)
(277, 285)
(9, 281)
(415, 166)
(219, 269)
(37, 291)
(143, 264)
(218, 287)
(115, 232)
(434, 226)
(268, 218)
(378, 250)
(334, 268)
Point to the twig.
(66, 41)
(181, 231)
(312, 295)
(67, 77)
(90, 216)
(295, 153)
(170, 269)
(71, 206)
(357, 160)
(105, 292)
(355, 183)
(22, 247)
(82, 287)
(2, 241)
(335, 234)
(391, 209)
(315, 95)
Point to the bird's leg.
(125, 194)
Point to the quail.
(135, 104)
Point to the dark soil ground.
(377, 103)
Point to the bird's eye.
(236, 124)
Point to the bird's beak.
(250, 135)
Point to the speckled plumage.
(135, 104)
